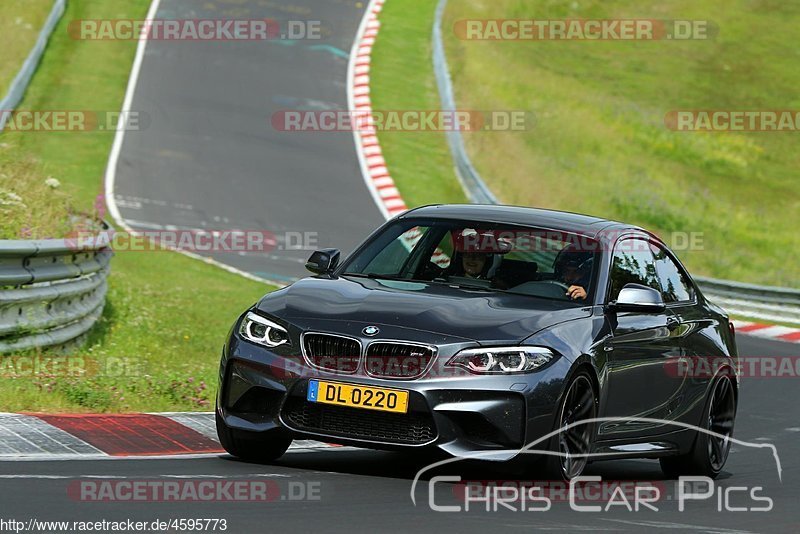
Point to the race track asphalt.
(208, 157)
(368, 491)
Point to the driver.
(573, 269)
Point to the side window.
(443, 252)
(674, 285)
(632, 263)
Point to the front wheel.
(573, 444)
(252, 446)
(710, 451)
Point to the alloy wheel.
(720, 421)
(576, 442)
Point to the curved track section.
(210, 159)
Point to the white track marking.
(83, 457)
(324, 447)
(127, 477)
(116, 149)
(678, 526)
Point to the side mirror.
(638, 298)
(323, 261)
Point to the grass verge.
(402, 79)
(23, 190)
(20, 24)
(157, 344)
(600, 144)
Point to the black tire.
(709, 453)
(579, 402)
(256, 447)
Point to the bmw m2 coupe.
(490, 332)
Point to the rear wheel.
(575, 443)
(709, 452)
(254, 447)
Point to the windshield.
(491, 257)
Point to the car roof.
(536, 217)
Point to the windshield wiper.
(437, 281)
(376, 276)
(467, 286)
(459, 285)
(387, 277)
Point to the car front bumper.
(456, 412)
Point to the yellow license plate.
(383, 399)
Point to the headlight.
(263, 331)
(502, 359)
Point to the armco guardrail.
(758, 302)
(51, 291)
(471, 181)
(23, 78)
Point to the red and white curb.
(767, 331)
(370, 156)
(98, 436)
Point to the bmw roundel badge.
(371, 330)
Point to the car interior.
(506, 268)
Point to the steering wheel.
(561, 285)
(431, 271)
(556, 283)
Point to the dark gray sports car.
(493, 330)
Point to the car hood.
(482, 316)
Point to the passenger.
(475, 264)
(480, 254)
